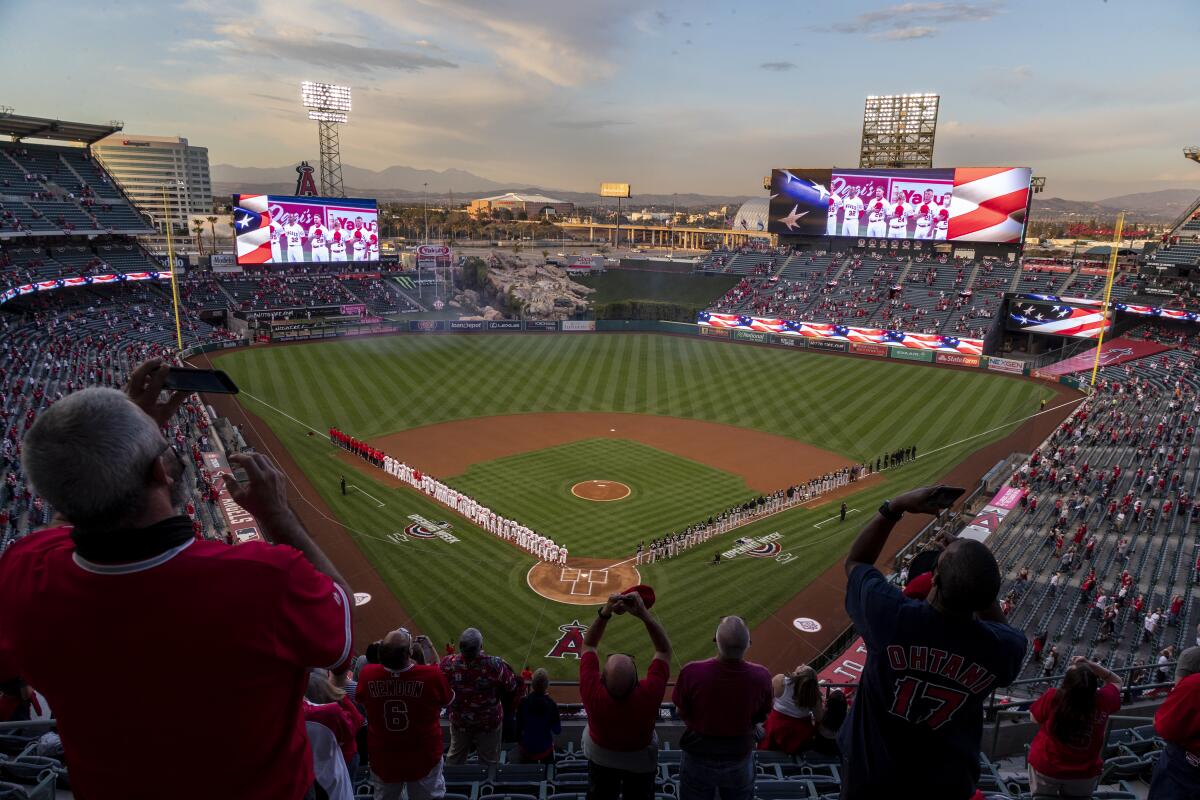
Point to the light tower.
(1192, 153)
(329, 105)
(899, 130)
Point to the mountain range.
(401, 183)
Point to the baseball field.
(599, 441)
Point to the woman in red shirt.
(795, 713)
(1064, 759)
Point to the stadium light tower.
(329, 105)
(1192, 153)
(899, 130)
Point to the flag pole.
(1112, 269)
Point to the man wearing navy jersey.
(917, 717)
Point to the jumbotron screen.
(286, 230)
(963, 204)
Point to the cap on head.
(1188, 663)
(470, 643)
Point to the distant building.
(143, 164)
(532, 205)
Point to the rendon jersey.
(918, 715)
(404, 733)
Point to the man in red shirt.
(721, 700)
(128, 584)
(619, 739)
(404, 701)
(1177, 771)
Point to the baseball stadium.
(879, 481)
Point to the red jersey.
(1176, 720)
(256, 614)
(1079, 759)
(404, 734)
(627, 724)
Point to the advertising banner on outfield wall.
(868, 349)
(904, 354)
(541, 325)
(465, 324)
(823, 344)
(957, 359)
(720, 332)
(426, 325)
(504, 325)
(579, 325)
(786, 341)
(750, 336)
(1009, 365)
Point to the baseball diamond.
(663, 415)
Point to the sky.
(669, 96)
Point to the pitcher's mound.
(601, 491)
(583, 582)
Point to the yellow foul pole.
(171, 267)
(1105, 309)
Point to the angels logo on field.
(571, 641)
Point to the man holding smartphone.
(917, 718)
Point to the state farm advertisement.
(957, 359)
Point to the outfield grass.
(370, 387)
(616, 285)
(667, 493)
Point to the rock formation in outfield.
(543, 291)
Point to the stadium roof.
(18, 127)
(513, 197)
(752, 216)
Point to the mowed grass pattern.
(369, 387)
(666, 493)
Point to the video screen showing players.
(883, 204)
(287, 230)
(981, 204)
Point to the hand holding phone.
(210, 381)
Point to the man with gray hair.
(1177, 721)
(126, 582)
(722, 700)
(481, 684)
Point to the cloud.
(661, 17)
(588, 124)
(777, 66)
(315, 47)
(905, 21)
(910, 32)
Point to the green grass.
(666, 493)
(370, 387)
(616, 285)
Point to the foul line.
(835, 516)
(368, 494)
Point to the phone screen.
(945, 496)
(200, 380)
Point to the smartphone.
(212, 381)
(945, 496)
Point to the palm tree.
(212, 225)
(198, 230)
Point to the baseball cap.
(645, 591)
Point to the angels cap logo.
(305, 185)
(571, 641)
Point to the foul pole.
(1105, 309)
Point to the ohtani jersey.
(917, 718)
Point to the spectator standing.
(480, 683)
(1177, 771)
(404, 701)
(1065, 757)
(619, 740)
(129, 578)
(796, 712)
(537, 721)
(722, 700)
(917, 718)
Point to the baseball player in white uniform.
(835, 204)
(897, 217)
(942, 227)
(923, 220)
(337, 244)
(359, 243)
(877, 215)
(319, 242)
(276, 232)
(562, 556)
(294, 232)
(372, 248)
(852, 208)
